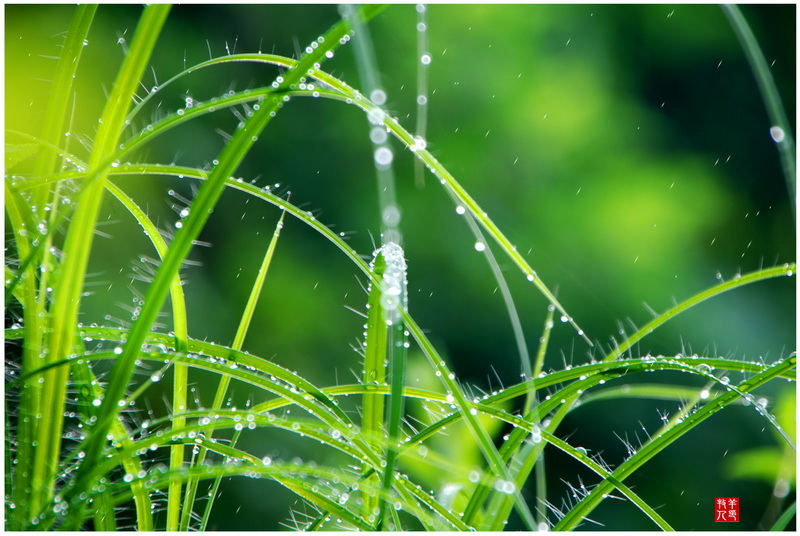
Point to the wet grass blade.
(781, 131)
(787, 269)
(374, 373)
(224, 381)
(31, 488)
(67, 290)
(658, 443)
(180, 329)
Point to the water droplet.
(480, 246)
(391, 216)
(460, 210)
(383, 156)
(378, 96)
(376, 116)
(777, 134)
(378, 135)
(425, 59)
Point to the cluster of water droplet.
(394, 294)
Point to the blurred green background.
(625, 150)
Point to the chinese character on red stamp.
(726, 509)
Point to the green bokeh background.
(625, 150)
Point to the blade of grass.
(374, 373)
(785, 518)
(222, 388)
(60, 94)
(393, 300)
(67, 290)
(772, 99)
(787, 269)
(180, 329)
(367, 65)
(31, 397)
(421, 126)
(659, 443)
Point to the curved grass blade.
(660, 442)
(787, 269)
(781, 131)
(180, 328)
(67, 290)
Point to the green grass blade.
(222, 389)
(30, 397)
(781, 131)
(393, 300)
(374, 373)
(659, 443)
(180, 328)
(67, 290)
(60, 94)
(785, 518)
(421, 126)
(787, 269)
(390, 213)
